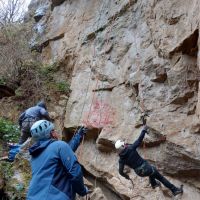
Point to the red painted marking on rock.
(100, 115)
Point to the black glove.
(82, 131)
(145, 128)
(127, 176)
(88, 191)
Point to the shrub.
(63, 87)
(9, 131)
(14, 47)
(48, 69)
(2, 81)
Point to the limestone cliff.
(128, 58)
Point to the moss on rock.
(16, 177)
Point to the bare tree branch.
(11, 11)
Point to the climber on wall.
(26, 120)
(56, 173)
(29, 117)
(129, 156)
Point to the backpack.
(21, 118)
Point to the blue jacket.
(56, 173)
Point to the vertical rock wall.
(130, 57)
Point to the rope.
(87, 89)
(94, 56)
(93, 96)
(141, 99)
(92, 101)
(101, 108)
(87, 122)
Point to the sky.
(5, 2)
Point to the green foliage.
(9, 131)
(2, 81)
(47, 71)
(14, 188)
(6, 170)
(63, 86)
(18, 92)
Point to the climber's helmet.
(119, 144)
(41, 130)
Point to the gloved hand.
(127, 177)
(82, 131)
(14, 150)
(88, 191)
(145, 128)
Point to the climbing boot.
(177, 191)
(156, 185)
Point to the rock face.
(131, 57)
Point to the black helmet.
(42, 104)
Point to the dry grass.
(24, 72)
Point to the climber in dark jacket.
(29, 117)
(56, 173)
(129, 156)
(26, 120)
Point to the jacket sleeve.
(121, 170)
(45, 114)
(73, 168)
(138, 142)
(76, 140)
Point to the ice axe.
(144, 118)
(132, 182)
(87, 195)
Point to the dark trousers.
(157, 176)
(148, 170)
(25, 129)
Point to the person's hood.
(42, 104)
(124, 153)
(39, 147)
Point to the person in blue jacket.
(56, 173)
(128, 155)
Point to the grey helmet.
(41, 130)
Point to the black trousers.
(148, 170)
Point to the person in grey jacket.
(29, 117)
(26, 120)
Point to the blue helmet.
(41, 130)
(42, 104)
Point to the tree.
(11, 11)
